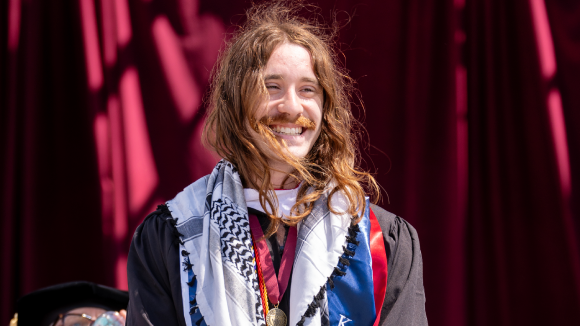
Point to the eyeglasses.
(109, 318)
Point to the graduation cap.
(34, 307)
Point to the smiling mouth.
(296, 131)
(297, 126)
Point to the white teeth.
(287, 131)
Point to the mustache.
(301, 120)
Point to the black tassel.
(351, 239)
(344, 261)
(197, 323)
(320, 294)
(187, 265)
(310, 311)
(351, 232)
(184, 253)
(338, 272)
(173, 223)
(314, 306)
(331, 283)
(164, 209)
(192, 310)
(347, 252)
(177, 233)
(193, 302)
(192, 282)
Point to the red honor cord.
(380, 269)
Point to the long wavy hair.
(238, 90)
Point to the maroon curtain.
(470, 108)
(51, 212)
(101, 121)
(522, 254)
(564, 16)
(405, 57)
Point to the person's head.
(292, 110)
(74, 303)
(280, 103)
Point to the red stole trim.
(380, 269)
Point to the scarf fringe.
(339, 270)
(185, 254)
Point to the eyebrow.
(310, 80)
(274, 76)
(279, 77)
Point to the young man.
(281, 232)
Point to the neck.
(279, 176)
(280, 180)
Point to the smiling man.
(282, 231)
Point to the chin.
(298, 153)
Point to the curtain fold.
(564, 18)
(404, 55)
(521, 261)
(50, 190)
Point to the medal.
(276, 317)
(272, 287)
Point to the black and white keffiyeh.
(212, 218)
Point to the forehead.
(290, 59)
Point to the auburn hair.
(238, 89)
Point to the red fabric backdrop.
(471, 109)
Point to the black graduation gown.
(155, 285)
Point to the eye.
(272, 87)
(309, 91)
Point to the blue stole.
(352, 301)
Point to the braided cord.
(263, 291)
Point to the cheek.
(315, 112)
(320, 111)
(261, 111)
(319, 118)
(316, 137)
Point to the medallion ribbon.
(276, 286)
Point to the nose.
(291, 104)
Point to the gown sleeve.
(153, 273)
(405, 297)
